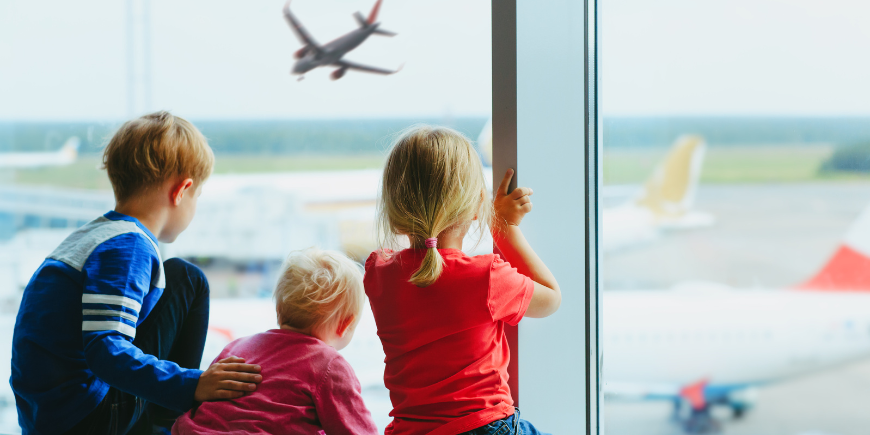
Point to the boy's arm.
(117, 276)
(338, 402)
(510, 208)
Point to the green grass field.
(733, 164)
(85, 172)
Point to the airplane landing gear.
(700, 421)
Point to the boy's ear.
(179, 190)
(342, 327)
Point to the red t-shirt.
(307, 388)
(446, 352)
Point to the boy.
(106, 327)
(309, 388)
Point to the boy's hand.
(228, 378)
(511, 207)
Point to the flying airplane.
(665, 203)
(66, 155)
(313, 55)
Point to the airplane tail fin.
(849, 268)
(670, 191)
(70, 149)
(373, 16)
(484, 144)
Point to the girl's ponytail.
(433, 182)
(431, 267)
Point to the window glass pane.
(735, 240)
(297, 161)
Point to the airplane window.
(299, 147)
(736, 184)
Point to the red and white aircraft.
(703, 345)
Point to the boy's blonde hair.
(154, 148)
(433, 182)
(318, 289)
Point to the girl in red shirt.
(440, 313)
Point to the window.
(297, 161)
(736, 139)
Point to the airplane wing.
(297, 27)
(360, 67)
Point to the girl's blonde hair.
(318, 289)
(433, 182)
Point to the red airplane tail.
(849, 268)
(373, 16)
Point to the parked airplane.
(313, 55)
(66, 155)
(666, 202)
(706, 344)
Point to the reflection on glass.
(736, 296)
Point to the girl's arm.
(510, 208)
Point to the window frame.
(513, 25)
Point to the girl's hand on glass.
(511, 207)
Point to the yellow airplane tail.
(70, 149)
(670, 192)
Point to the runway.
(770, 237)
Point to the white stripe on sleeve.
(111, 313)
(121, 327)
(123, 301)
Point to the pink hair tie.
(432, 243)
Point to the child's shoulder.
(102, 234)
(379, 256)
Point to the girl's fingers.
(231, 359)
(524, 200)
(520, 192)
(506, 182)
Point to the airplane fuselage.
(333, 51)
(729, 337)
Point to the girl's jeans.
(512, 425)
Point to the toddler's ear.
(343, 325)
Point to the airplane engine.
(299, 54)
(337, 74)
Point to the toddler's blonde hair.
(154, 148)
(318, 289)
(433, 182)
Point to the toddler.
(307, 386)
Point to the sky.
(220, 59)
(225, 59)
(735, 57)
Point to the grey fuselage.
(332, 52)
